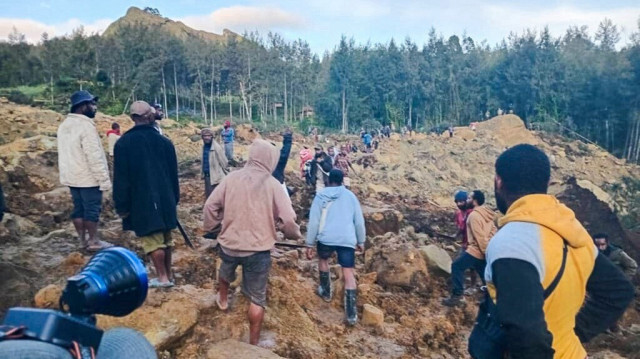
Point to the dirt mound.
(506, 130)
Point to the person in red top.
(461, 215)
(343, 164)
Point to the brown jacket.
(480, 228)
(250, 204)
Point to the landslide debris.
(406, 189)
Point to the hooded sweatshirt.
(250, 204)
(343, 222)
(480, 229)
(525, 256)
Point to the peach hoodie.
(251, 204)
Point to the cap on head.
(227, 123)
(460, 196)
(336, 176)
(82, 96)
(141, 108)
(157, 106)
(318, 147)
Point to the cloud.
(33, 29)
(240, 18)
(559, 19)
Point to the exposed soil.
(406, 188)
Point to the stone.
(436, 258)
(379, 221)
(398, 266)
(372, 316)
(231, 348)
(166, 317)
(48, 297)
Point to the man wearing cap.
(228, 136)
(158, 116)
(320, 167)
(83, 167)
(214, 162)
(146, 190)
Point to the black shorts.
(346, 255)
(87, 203)
(255, 274)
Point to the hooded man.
(228, 137)
(83, 167)
(336, 223)
(146, 190)
(250, 205)
(480, 229)
(549, 290)
(214, 162)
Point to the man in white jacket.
(83, 167)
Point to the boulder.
(166, 317)
(15, 227)
(234, 349)
(379, 221)
(48, 297)
(398, 266)
(372, 316)
(436, 258)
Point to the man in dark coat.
(320, 167)
(146, 190)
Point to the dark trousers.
(208, 187)
(460, 265)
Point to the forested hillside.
(582, 84)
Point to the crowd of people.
(548, 286)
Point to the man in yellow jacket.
(480, 229)
(541, 265)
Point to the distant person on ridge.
(336, 224)
(146, 191)
(480, 229)
(214, 162)
(83, 167)
(250, 205)
(228, 137)
(616, 255)
(366, 140)
(549, 290)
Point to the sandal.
(155, 283)
(224, 309)
(97, 247)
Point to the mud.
(406, 188)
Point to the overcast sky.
(322, 22)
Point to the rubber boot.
(324, 289)
(350, 310)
